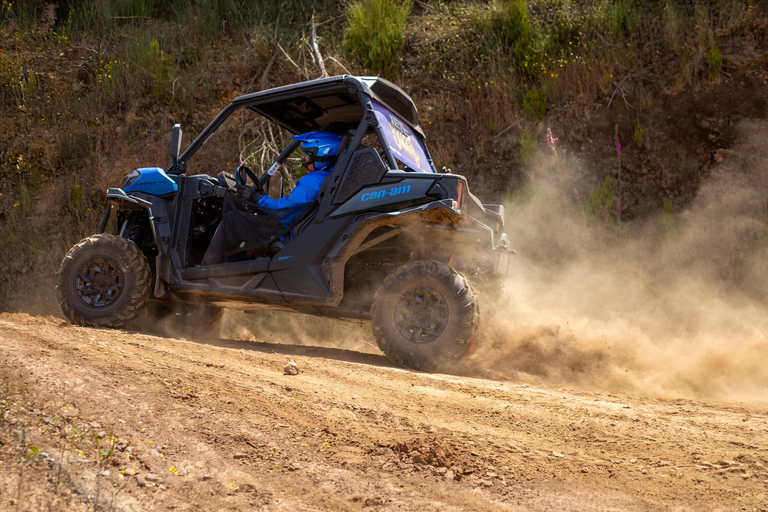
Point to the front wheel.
(104, 281)
(425, 315)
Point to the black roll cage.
(390, 96)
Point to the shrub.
(668, 221)
(25, 200)
(375, 34)
(508, 28)
(75, 202)
(74, 147)
(637, 136)
(528, 145)
(673, 25)
(715, 62)
(535, 103)
(614, 19)
(600, 200)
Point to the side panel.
(150, 180)
(298, 269)
(406, 192)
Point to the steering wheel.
(242, 173)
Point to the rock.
(440, 471)
(720, 155)
(389, 466)
(291, 368)
(104, 473)
(486, 483)
(240, 455)
(450, 475)
(585, 470)
(151, 477)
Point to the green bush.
(76, 202)
(507, 27)
(637, 136)
(668, 219)
(25, 200)
(375, 34)
(535, 103)
(600, 200)
(529, 143)
(614, 20)
(715, 62)
(74, 147)
(673, 25)
(22, 12)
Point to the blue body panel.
(150, 180)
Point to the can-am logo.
(395, 191)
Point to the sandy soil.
(96, 419)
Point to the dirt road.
(97, 419)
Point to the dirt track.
(217, 425)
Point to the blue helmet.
(322, 148)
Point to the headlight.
(130, 178)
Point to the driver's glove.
(255, 196)
(244, 193)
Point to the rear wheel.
(425, 315)
(104, 281)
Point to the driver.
(239, 229)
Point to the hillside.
(89, 91)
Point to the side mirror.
(175, 148)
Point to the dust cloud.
(675, 306)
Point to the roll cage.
(339, 105)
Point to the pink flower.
(577, 197)
(551, 140)
(617, 143)
(618, 209)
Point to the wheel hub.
(99, 282)
(421, 314)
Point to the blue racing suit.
(305, 192)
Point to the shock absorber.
(138, 227)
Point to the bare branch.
(290, 59)
(323, 72)
(620, 88)
(508, 127)
(340, 65)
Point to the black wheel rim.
(421, 315)
(99, 282)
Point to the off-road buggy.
(389, 239)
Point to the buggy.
(389, 240)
